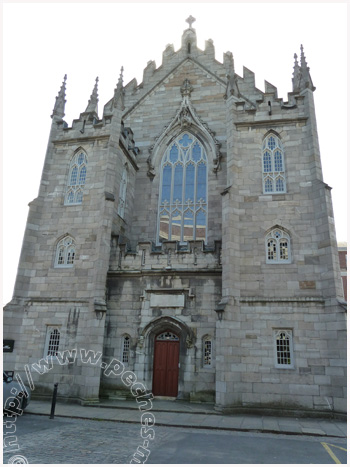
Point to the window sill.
(285, 367)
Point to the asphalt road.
(73, 441)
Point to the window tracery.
(278, 247)
(183, 208)
(65, 252)
(274, 180)
(76, 179)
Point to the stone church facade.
(189, 235)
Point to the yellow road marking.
(338, 447)
(331, 453)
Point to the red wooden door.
(166, 365)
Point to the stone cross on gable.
(190, 20)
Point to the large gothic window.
(274, 179)
(183, 204)
(76, 179)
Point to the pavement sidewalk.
(189, 415)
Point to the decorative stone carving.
(140, 342)
(185, 117)
(189, 342)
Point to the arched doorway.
(166, 364)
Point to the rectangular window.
(52, 342)
(284, 349)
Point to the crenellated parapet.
(171, 60)
(89, 127)
(248, 97)
(168, 256)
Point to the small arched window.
(65, 253)
(126, 349)
(183, 199)
(76, 179)
(207, 351)
(278, 247)
(284, 348)
(274, 179)
(122, 194)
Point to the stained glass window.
(76, 179)
(183, 205)
(274, 180)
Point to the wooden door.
(166, 364)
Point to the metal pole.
(53, 404)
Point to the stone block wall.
(248, 377)
(147, 295)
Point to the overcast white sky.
(43, 41)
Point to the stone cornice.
(271, 123)
(280, 300)
(84, 139)
(164, 271)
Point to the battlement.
(249, 96)
(170, 255)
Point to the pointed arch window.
(278, 247)
(122, 193)
(284, 348)
(207, 352)
(126, 349)
(76, 179)
(274, 179)
(183, 196)
(65, 253)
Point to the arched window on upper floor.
(76, 178)
(183, 198)
(278, 248)
(65, 253)
(122, 193)
(274, 178)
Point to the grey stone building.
(187, 234)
